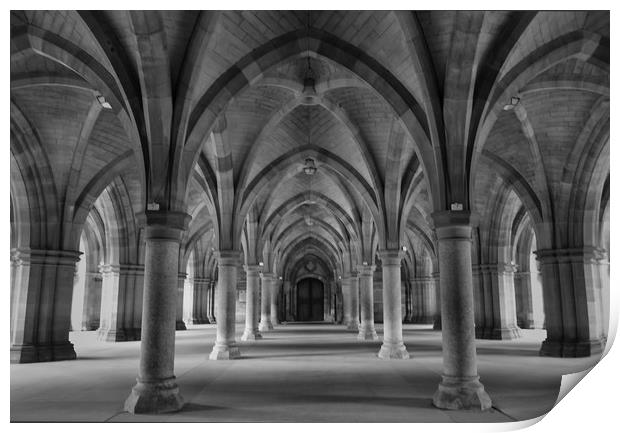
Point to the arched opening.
(310, 300)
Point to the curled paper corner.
(569, 381)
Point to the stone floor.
(297, 373)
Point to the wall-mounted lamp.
(513, 103)
(260, 263)
(404, 248)
(365, 263)
(102, 101)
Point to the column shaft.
(460, 387)
(354, 323)
(156, 390)
(393, 347)
(573, 301)
(41, 305)
(274, 293)
(225, 345)
(252, 276)
(367, 325)
(265, 303)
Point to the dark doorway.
(309, 300)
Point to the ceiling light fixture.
(514, 101)
(102, 101)
(309, 168)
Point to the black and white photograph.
(300, 215)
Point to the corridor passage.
(296, 373)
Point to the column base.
(393, 351)
(275, 322)
(367, 334)
(251, 335)
(154, 397)
(265, 326)
(112, 335)
(28, 353)
(509, 333)
(572, 349)
(180, 326)
(353, 326)
(461, 393)
(223, 351)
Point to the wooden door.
(310, 300)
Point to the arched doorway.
(310, 300)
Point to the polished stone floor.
(297, 373)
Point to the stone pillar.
(573, 301)
(252, 276)
(354, 296)
(367, 325)
(156, 390)
(199, 307)
(410, 304)
(425, 298)
(114, 295)
(460, 387)
(393, 346)
(346, 302)
(211, 302)
(496, 314)
(265, 302)
(92, 301)
(225, 345)
(523, 294)
(180, 324)
(274, 292)
(137, 273)
(437, 315)
(41, 309)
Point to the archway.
(310, 297)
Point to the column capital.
(501, 267)
(164, 225)
(45, 257)
(268, 276)
(182, 275)
(366, 270)
(228, 257)
(454, 224)
(586, 254)
(391, 257)
(252, 269)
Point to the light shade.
(309, 168)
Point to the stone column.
(437, 316)
(393, 346)
(460, 387)
(573, 301)
(274, 292)
(156, 390)
(252, 275)
(225, 345)
(92, 301)
(211, 302)
(265, 302)
(495, 311)
(354, 296)
(41, 309)
(180, 324)
(137, 273)
(410, 304)
(114, 296)
(367, 325)
(346, 301)
(523, 294)
(198, 308)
